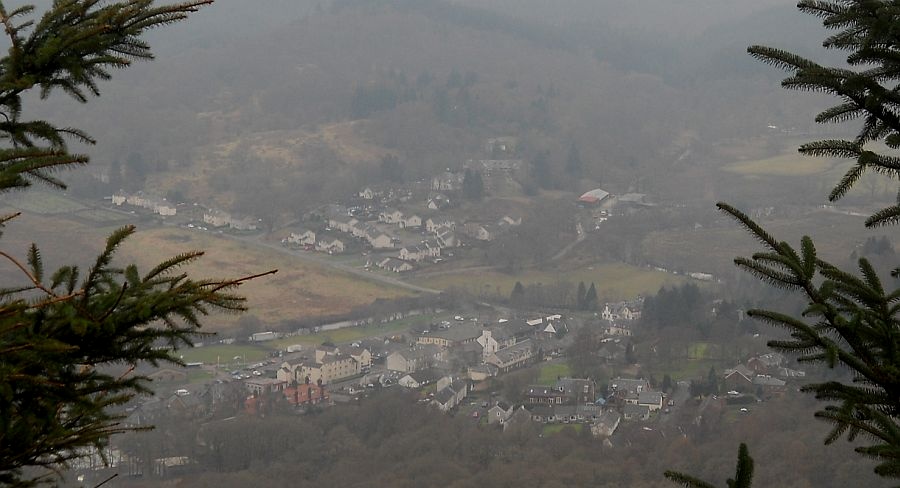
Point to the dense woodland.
(391, 441)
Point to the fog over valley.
(448, 243)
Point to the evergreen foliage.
(743, 477)
(574, 165)
(867, 30)
(581, 298)
(473, 185)
(590, 298)
(61, 330)
(851, 318)
(518, 293)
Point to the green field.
(614, 281)
(713, 249)
(224, 354)
(700, 350)
(44, 203)
(350, 334)
(788, 164)
(102, 216)
(551, 371)
(200, 375)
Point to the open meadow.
(713, 249)
(614, 281)
(300, 289)
(787, 164)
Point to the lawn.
(614, 281)
(200, 376)
(225, 354)
(551, 371)
(699, 350)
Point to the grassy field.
(789, 164)
(44, 202)
(551, 371)
(613, 281)
(714, 249)
(299, 289)
(700, 350)
(225, 354)
(350, 334)
(200, 375)
(101, 216)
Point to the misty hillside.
(305, 97)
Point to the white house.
(395, 265)
(218, 218)
(411, 221)
(342, 223)
(381, 241)
(154, 204)
(391, 216)
(433, 223)
(446, 236)
(367, 194)
(331, 245)
(302, 238)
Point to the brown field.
(299, 289)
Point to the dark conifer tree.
(473, 185)
(60, 329)
(851, 317)
(574, 165)
(590, 298)
(743, 477)
(517, 296)
(581, 298)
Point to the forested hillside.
(389, 441)
(302, 99)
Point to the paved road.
(680, 396)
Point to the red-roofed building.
(594, 197)
(306, 394)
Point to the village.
(403, 227)
(457, 363)
(463, 361)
